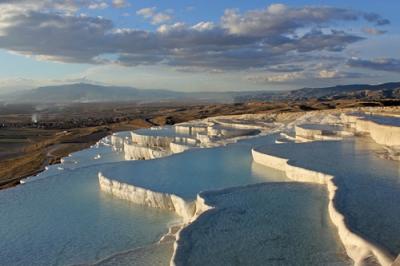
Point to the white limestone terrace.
(167, 184)
(183, 175)
(156, 142)
(309, 132)
(134, 151)
(174, 182)
(385, 119)
(359, 185)
(159, 142)
(229, 131)
(384, 129)
(327, 129)
(264, 224)
(174, 191)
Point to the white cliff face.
(156, 143)
(117, 143)
(306, 132)
(384, 134)
(152, 141)
(179, 147)
(204, 138)
(147, 197)
(357, 248)
(249, 124)
(229, 132)
(136, 152)
(191, 128)
(147, 147)
(186, 140)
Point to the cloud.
(305, 75)
(120, 3)
(379, 64)
(61, 6)
(68, 7)
(373, 31)
(375, 18)
(269, 38)
(326, 69)
(328, 74)
(98, 5)
(147, 12)
(278, 78)
(154, 16)
(279, 18)
(60, 37)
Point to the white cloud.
(204, 26)
(147, 12)
(176, 27)
(328, 73)
(154, 16)
(258, 39)
(278, 17)
(276, 9)
(120, 3)
(98, 5)
(312, 72)
(159, 18)
(277, 78)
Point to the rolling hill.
(82, 92)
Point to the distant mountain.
(81, 92)
(345, 91)
(354, 91)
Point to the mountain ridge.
(84, 92)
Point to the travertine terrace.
(213, 132)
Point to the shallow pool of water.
(380, 119)
(369, 186)
(65, 219)
(188, 173)
(263, 224)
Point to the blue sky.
(198, 45)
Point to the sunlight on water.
(65, 220)
(369, 186)
(270, 224)
(188, 173)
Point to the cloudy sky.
(198, 45)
